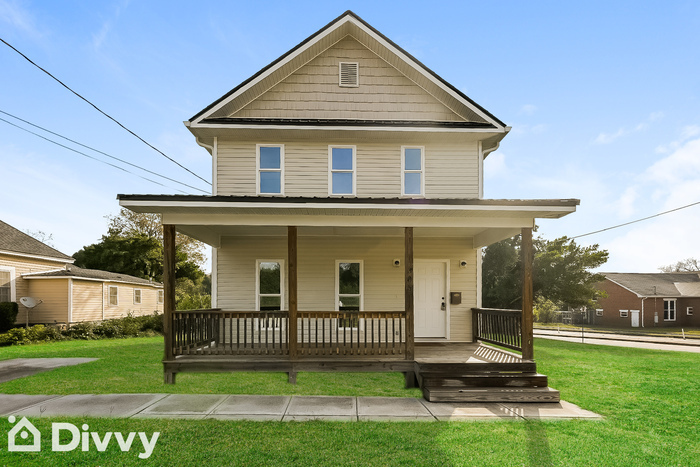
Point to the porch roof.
(208, 218)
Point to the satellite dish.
(29, 302)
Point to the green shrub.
(84, 331)
(8, 315)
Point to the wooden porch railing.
(497, 326)
(360, 333)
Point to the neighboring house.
(347, 200)
(649, 300)
(69, 294)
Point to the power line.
(105, 114)
(87, 155)
(638, 220)
(101, 152)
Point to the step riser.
(492, 395)
(540, 382)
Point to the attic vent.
(349, 74)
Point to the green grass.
(658, 332)
(650, 400)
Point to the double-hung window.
(137, 296)
(270, 290)
(341, 170)
(161, 296)
(348, 296)
(669, 309)
(413, 171)
(6, 290)
(113, 295)
(270, 167)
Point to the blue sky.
(603, 98)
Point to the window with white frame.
(113, 295)
(7, 292)
(624, 313)
(269, 286)
(348, 292)
(341, 170)
(669, 309)
(413, 168)
(161, 296)
(689, 311)
(599, 312)
(270, 164)
(137, 296)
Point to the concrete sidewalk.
(622, 340)
(278, 408)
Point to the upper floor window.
(412, 168)
(341, 168)
(669, 309)
(270, 162)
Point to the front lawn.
(651, 401)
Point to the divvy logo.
(25, 437)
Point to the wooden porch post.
(408, 303)
(292, 274)
(168, 295)
(527, 314)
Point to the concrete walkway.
(622, 340)
(278, 408)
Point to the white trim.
(421, 172)
(479, 279)
(446, 263)
(362, 288)
(599, 311)
(47, 258)
(481, 169)
(13, 285)
(214, 277)
(103, 301)
(318, 37)
(140, 302)
(258, 170)
(215, 167)
(70, 300)
(353, 171)
(624, 313)
(689, 311)
(109, 297)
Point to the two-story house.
(347, 215)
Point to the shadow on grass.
(538, 444)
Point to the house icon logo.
(24, 429)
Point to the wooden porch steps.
(487, 382)
(495, 394)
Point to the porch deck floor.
(468, 352)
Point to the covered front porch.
(376, 334)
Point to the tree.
(129, 224)
(561, 273)
(686, 265)
(42, 236)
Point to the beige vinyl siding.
(54, 308)
(149, 300)
(451, 170)
(23, 265)
(313, 91)
(87, 300)
(383, 283)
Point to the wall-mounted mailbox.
(455, 298)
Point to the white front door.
(634, 315)
(430, 295)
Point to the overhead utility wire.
(638, 220)
(87, 155)
(105, 114)
(102, 152)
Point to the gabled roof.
(676, 284)
(91, 274)
(347, 24)
(13, 241)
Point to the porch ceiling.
(208, 218)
